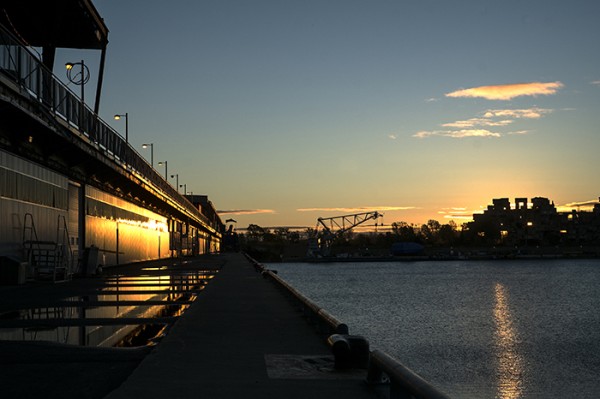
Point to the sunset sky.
(283, 111)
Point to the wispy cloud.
(477, 122)
(460, 216)
(596, 83)
(456, 134)
(508, 91)
(432, 100)
(491, 118)
(579, 205)
(359, 209)
(453, 209)
(392, 136)
(244, 211)
(523, 113)
(457, 213)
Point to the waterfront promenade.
(242, 337)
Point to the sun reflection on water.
(510, 362)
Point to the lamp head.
(69, 66)
(117, 117)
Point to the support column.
(82, 217)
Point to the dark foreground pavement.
(49, 370)
(242, 338)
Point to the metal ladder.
(49, 259)
(64, 247)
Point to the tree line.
(435, 237)
(430, 234)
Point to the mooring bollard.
(349, 351)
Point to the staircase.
(49, 259)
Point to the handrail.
(29, 227)
(329, 323)
(402, 379)
(21, 66)
(65, 242)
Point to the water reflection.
(510, 361)
(120, 297)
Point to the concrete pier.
(242, 337)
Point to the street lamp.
(126, 116)
(151, 145)
(161, 163)
(184, 188)
(176, 176)
(79, 79)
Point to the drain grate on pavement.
(307, 367)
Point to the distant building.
(207, 209)
(535, 223)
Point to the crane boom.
(345, 222)
(333, 227)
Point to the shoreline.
(422, 258)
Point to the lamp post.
(161, 163)
(126, 116)
(184, 189)
(151, 145)
(176, 176)
(80, 79)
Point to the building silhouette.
(535, 223)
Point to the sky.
(285, 111)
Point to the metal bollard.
(349, 351)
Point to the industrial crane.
(333, 227)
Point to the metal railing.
(382, 368)
(404, 383)
(22, 67)
(326, 322)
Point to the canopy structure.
(57, 24)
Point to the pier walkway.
(242, 338)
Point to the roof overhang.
(55, 24)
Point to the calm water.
(490, 329)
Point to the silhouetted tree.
(404, 232)
(447, 235)
(282, 233)
(429, 231)
(255, 232)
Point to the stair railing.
(64, 244)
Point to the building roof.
(56, 23)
